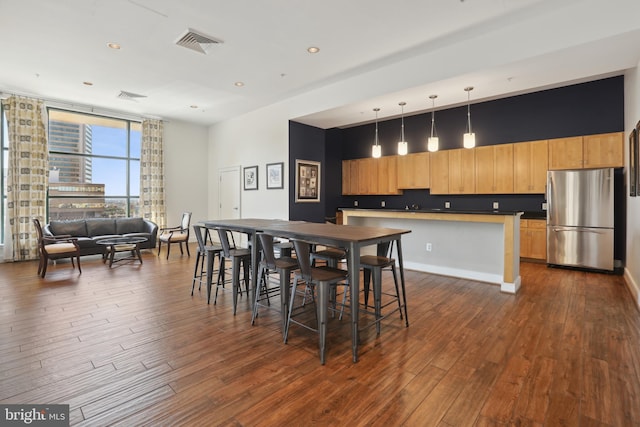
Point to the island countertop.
(473, 244)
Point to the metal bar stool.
(372, 266)
(283, 266)
(205, 249)
(240, 257)
(323, 279)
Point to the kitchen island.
(476, 245)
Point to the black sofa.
(88, 231)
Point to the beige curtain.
(152, 206)
(26, 174)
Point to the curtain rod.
(83, 108)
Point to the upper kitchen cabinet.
(589, 151)
(369, 176)
(494, 169)
(565, 153)
(388, 175)
(604, 150)
(413, 171)
(530, 164)
(462, 166)
(439, 172)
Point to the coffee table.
(122, 244)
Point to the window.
(94, 166)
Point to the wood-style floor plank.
(130, 346)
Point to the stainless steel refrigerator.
(580, 218)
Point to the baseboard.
(633, 287)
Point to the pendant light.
(433, 141)
(403, 148)
(376, 150)
(469, 139)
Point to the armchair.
(51, 248)
(179, 234)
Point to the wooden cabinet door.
(503, 167)
(367, 176)
(462, 171)
(387, 175)
(413, 171)
(533, 238)
(538, 239)
(439, 172)
(530, 165)
(604, 150)
(485, 170)
(494, 169)
(525, 239)
(354, 188)
(346, 177)
(565, 153)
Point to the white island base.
(477, 246)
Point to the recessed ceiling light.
(239, 84)
(113, 45)
(87, 83)
(313, 49)
(193, 106)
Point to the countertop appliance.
(580, 218)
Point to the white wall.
(256, 138)
(632, 115)
(186, 166)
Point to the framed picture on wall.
(307, 181)
(251, 178)
(274, 175)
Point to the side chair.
(52, 248)
(178, 234)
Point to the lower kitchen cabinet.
(533, 239)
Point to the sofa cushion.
(76, 228)
(101, 227)
(130, 225)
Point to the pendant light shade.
(403, 147)
(376, 150)
(433, 142)
(469, 139)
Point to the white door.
(229, 193)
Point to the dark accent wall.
(308, 143)
(581, 109)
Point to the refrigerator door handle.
(549, 200)
(579, 230)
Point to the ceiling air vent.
(130, 96)
(195, 40)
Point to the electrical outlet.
(429, 247)
(355, 203)
(544, 206)
(496, 205)
(447, 205)
(382, 203)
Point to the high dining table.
(350, 237)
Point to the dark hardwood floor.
(130, 346)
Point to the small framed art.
(274, 175)
(251, 178)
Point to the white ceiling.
(373, 53)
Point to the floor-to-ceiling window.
(94, 166)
